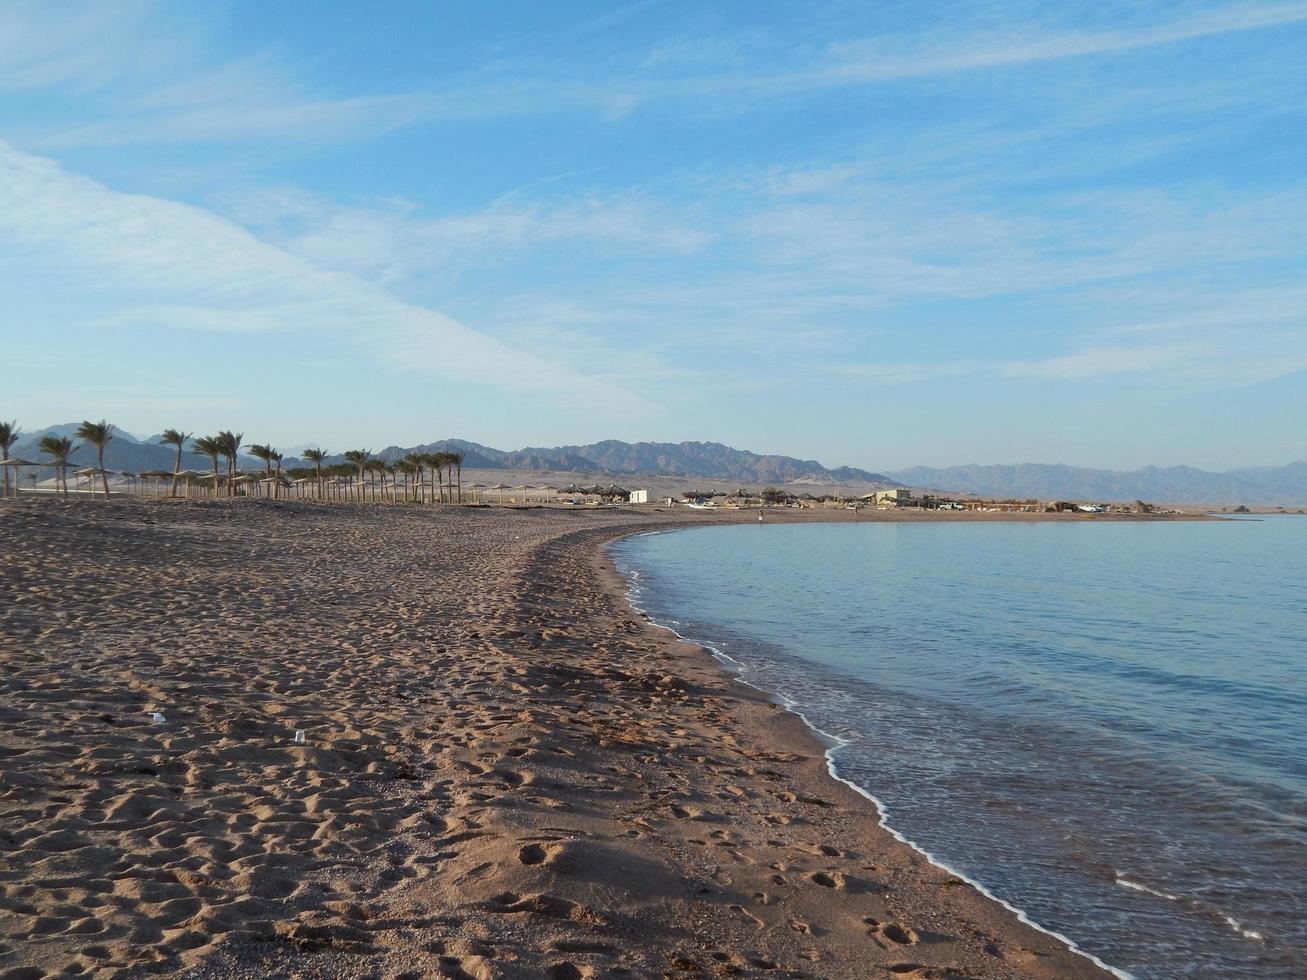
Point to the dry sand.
(506, 772)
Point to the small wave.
(834, 743)
(1135, 886)
(1233, 923)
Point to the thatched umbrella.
(17, 462)
(91, 472)
(572, 489)
(501, 487)
(156, 475)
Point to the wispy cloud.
(881, 59)
(259, 97)
(167, 265)
(79, 45)
(394, 239)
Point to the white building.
(897, 497)
(639, 496)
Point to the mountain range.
(711, 461)
(1282, 485)
(690, 460)
(701, 460)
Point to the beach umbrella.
(16, 462)
(501, 487)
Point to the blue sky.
(877, 234)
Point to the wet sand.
(505, 771)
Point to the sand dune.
(504, 772)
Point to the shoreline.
(828, 745)
(506, 772)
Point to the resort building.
(898, 497)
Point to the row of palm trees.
(331, 481)
(444, 469)
(59, 448)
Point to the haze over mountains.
(710, 461)
(1170, 484)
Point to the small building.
(897, 497)
(639, 496)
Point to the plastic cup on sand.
(299, 736)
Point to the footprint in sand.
(828, 879)
(532, 854)
(892, 932)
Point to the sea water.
(1102, 723)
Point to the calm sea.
(1104, 724)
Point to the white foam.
(1125, 882)
(1233, 923)
(835, 744)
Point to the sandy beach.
(504, 772)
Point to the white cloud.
(151, 92)
(393, 239)
(168, 265)
(881, 60)
(86, 46)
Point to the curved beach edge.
(828, 745)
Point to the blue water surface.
(1104, 723)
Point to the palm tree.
(316, 456)
(456, 461)
(174, 437)
(418, 463)
(59, 448)
(229, 444)
(98, 434)
(408, 468)
(259, 451)
(359, 459)
(210, 446)
(377, 467)
(9, 433)
(341, 471)
(263, 452)
(433, 462)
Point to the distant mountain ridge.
(713, 461)
(690, 460)
(699, 460)
(1276, 485)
